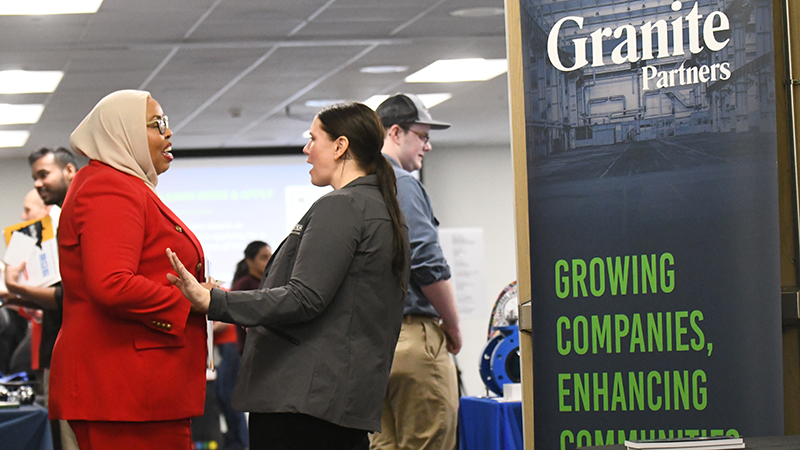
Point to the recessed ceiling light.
(457, 70)
(477, 12)
(17, 114)
(44, 7)
(13, 138)
(29, 81)
(429, 100)
(374, 101)
(321, 103)
(383, 69)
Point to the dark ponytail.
(365, 133)
(241, 270)
(250, 253)
(387, 183)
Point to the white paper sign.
(463, 248)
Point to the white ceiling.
(237, 73)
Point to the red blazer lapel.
(185, 230)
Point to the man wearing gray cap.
(420, 409)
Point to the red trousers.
(98, 435)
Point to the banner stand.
(657, 218)
(787, 69)
(518, 157)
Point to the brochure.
(3, 287)
(33, 242)
(700, 443)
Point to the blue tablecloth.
(485, 424)
(25, 428)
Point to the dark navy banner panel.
(653, 203)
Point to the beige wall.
(15, 182)
(474, 188)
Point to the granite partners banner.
(653, 211)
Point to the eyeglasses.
(161, 122)
(424, 137)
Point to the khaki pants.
(420, 409)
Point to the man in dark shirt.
(33, 209)
(52, 172)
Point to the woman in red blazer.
(128, 368)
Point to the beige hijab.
(115, 134)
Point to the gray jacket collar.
(366, 180)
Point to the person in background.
(248, 274)
(250, 269)
(229, 341)
(52, 172)
(420, 410)
(14, 334)
(325, 319)
(33, 208)
(129, 366)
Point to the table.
(488, 424)
(25, 428)
(754, 443)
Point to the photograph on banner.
(653, 211)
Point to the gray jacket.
(325, 320)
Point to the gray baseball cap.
(407, 108)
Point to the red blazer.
(128, 349)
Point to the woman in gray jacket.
(324, 323)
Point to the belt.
(411, 318)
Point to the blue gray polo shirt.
(427, 260)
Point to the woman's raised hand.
(195, 292)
